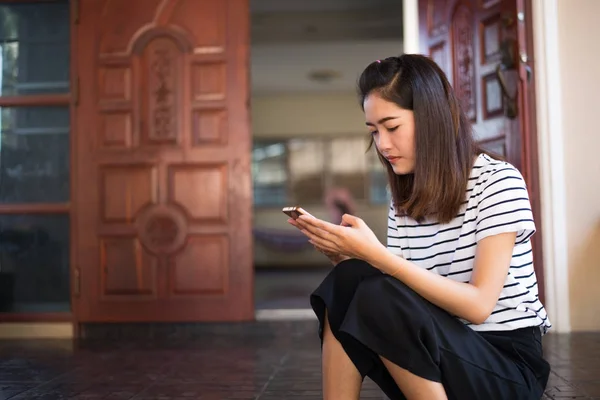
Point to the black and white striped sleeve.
(504, 206)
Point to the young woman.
(450, 308)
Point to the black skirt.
(372, 314)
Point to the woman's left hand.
(352, 238)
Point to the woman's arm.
(472, 301)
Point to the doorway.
(305, 61)
(309, 140)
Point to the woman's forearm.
(463, 300)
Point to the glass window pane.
(34, 154)
(348, 165)
(34, 48)
(269, 173)
(34, 263)
(378, 182)
(307, 165)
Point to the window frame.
(68, 99)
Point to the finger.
(313, 225)
(325, 250)
(320, 240)
(321, 249)
(327, 253)
(313, 232)
(293, 222)
(323, 236)
(303, 225)
(350, 220)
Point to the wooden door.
(163, 188)
(484, 46)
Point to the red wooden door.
(162, 160)
(482, 46)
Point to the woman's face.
(393, 131)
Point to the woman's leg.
(341, 379)
(428, 351)
(414, 387)
(345, 360)
(375, 317)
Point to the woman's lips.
(392, 159)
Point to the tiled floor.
(267, 361)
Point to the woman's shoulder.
(488, 171)
(500, 200)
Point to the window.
(269, 172)
(307, 163)
(348, 166)
(301, 170)
(34, 156)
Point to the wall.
(579, 65)
(305, 115)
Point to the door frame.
(546, 145)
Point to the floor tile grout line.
(272, 377)
(42, 384)
(153, 384)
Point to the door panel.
(477, 43)
(465, 39)
(164, 196)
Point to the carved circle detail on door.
(162, 229)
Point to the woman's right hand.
(335, 258)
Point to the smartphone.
(294, 212)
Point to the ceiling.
(291, 21)
(331, 40)
(262, 6)
(283, 69)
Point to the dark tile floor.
(266, 360)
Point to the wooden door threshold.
(36, 330)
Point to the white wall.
(308, 114)
(579, 54)
(304, 115)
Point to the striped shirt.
(496, 202)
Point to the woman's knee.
(333, 297)
(382, 301)
(353, 271)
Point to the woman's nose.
(383, 142)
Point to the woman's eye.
(373, 133)
(393, 128)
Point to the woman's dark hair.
(445, 147)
